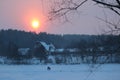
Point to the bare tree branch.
(111, 6)
(107, 4)
(62, 10)
(115, 7)
(118, 2)
(115, 10)
(114, 28)
(64, 7)
(70, 8)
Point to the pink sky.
(18, 14)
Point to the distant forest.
(11, 40)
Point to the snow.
(48, 47)
(45, 45)
(59, 72)
(2, 60)
(60, 50)
(23, 51)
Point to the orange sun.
(35, 24)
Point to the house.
(48, 47)
(51, 48)
(23, 51)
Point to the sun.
(35, 24)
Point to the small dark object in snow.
(48, 68)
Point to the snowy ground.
(59, 72)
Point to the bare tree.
(113, 5)
(63, 7)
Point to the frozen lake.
(59, 72)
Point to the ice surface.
(59, 72)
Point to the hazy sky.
(18, 14)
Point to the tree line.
(12, 40)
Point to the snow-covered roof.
(47, 46)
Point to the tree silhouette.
(64, 7)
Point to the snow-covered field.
(59, 72)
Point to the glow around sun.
(35, 24)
